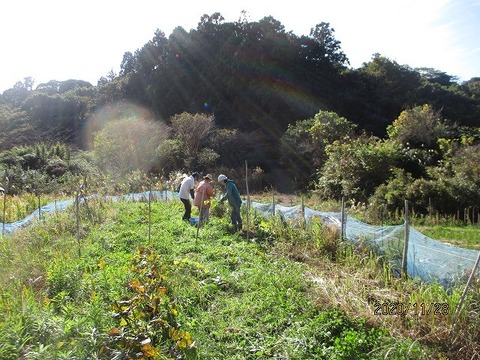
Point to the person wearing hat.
(187, 190)
(233, 197)
(203, 194)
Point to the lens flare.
(124, 137)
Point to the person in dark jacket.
(233, 197)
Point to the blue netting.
(56, 206)
(427, 259)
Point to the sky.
(85, 40)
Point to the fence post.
(273, 203)
(248, 200)
(77, 216)
(304, 223)
(149, 211)
(39, 207)
(342, 220)
(457, 311)
(37, 194)
(405, 244)
(4, 193)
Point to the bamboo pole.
(342, 219)
(77, 216)
(464, 294)
(405, 244)
(150, 213)
(273, 202)
(4, 193)
(39, 207)
(304, 220)
(248, 200)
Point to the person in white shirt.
(187, 190)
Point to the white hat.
(221, 178)
(208, 176)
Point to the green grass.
(467, 236)
(116, 291)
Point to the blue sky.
(61, 40)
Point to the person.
(186, 191)
(233, 197)
(203, 194)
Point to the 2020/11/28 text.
(416, 309)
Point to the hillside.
(258, 78)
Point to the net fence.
(427, 259)
(60, 205)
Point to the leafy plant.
(147, 320)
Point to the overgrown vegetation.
(141, 284)
(117, 281)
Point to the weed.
(290, 291)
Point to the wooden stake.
(342, 220)
(405, 244)
(149, 213)
(248, 199)
(460, 304)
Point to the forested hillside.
(210, 98)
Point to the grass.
(15, 208)
(446, 229)
(467, 236)
(288, 292)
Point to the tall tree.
(328, 48)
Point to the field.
(131, 280)
(467, 236)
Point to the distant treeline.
(227, 92)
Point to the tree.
(128, 144)
(328, 48)
(128, 64)
(356, 167)
(465, 180)
(417, 131)
(28, 83)
(192, 132)
(436, 76)
(303, 144)
(419, 127)
(390, 87)
(51, 87)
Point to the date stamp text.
(416, 309)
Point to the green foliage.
(338, 336)
(329, 47)
(193, 132)
(245, 83)
(465, 236)
(304, 143)
(355, 168)
(466, 175)
(418, 127)
(41, 168)
(147, 319)
(128, 144)
(218, 296)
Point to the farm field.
(132, 278)
(467, 236)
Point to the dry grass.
(358, 282)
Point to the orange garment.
(208, 192)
